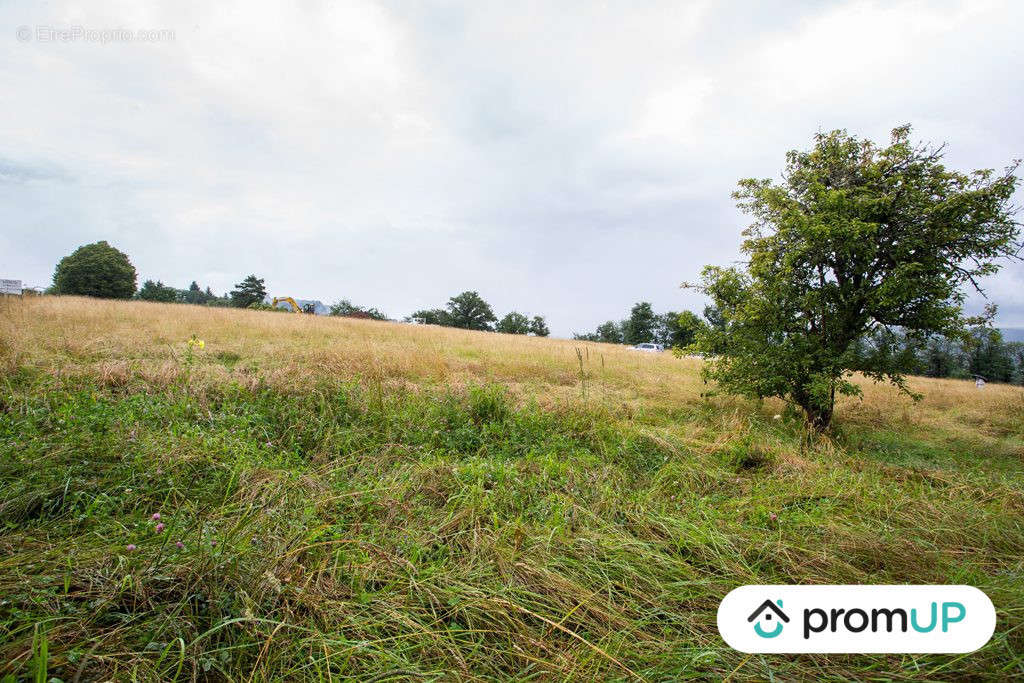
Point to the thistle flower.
(130, 547)
(159, 527)
(181, 546)
(156, 516)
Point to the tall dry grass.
(123, 340)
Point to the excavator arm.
(295, 307)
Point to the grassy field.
(353, 500)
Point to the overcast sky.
(566, 159)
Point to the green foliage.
(247, 292)
(157, 291)
(609, 332)
(347, 309)
(513, 323)
(944, 357)
(264, 306)
(96, 269)
(981, 352)
(670, 329)
(1016, 352)
(433, 316)
(748, 453)
(990, 357)
(855, 239)
(641, 326)
(470, 312)
(196, 295)
(350, 533)
(539, 326)
(679, 330)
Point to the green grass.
(355, 532)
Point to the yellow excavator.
(290, 301)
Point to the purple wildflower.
(159, 527)
(130, 547)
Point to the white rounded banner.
(856, 619)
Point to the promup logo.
(765, 612)
(911, 619)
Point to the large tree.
(248, 292)
(678, 330)
(855, 238)
(195, 295)
(470, 312)
(989, 356)
(98, 270)
(539, 326)
(609, 332)
(642, 324)
(513, 323)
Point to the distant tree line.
(469, 311)
(103, 271)
(248, 293)
(982, 352)
(672, 329)
(347, 309)
(193, 294)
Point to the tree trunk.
(818, 417)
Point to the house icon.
(767, 612)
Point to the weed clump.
(488, 403)
(747, 454)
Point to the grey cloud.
(562, 158)
(14, 172)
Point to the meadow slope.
(354, 500)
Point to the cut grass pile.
(495, 508)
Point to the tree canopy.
(642, 325)
(431, 316)
(157, 291)
(671, 329)
(679, 330)
(248, 292)
(513, 323)
(98, 270)
(470, 312)
(348, 309)
(855, 240)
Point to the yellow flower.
(202, 344)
